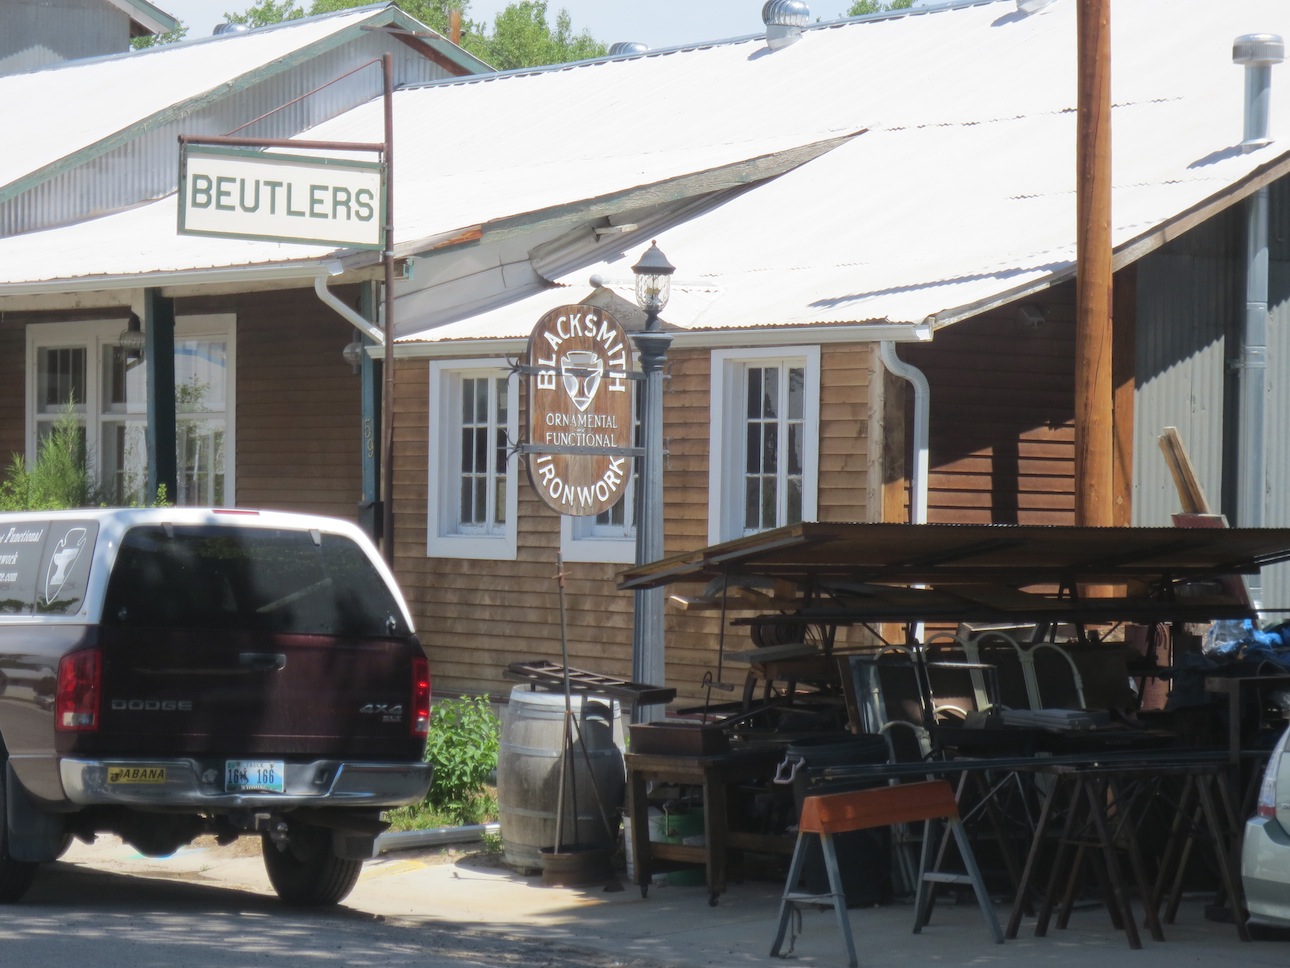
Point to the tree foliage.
(152, 40)
(861, 7)
(267, 12)
(522, 35)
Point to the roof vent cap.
(1027, 7)
(1258, 53)
(228, 28)
(627, 47)
(1258, 49)
(784, 20)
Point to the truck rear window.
(252, 579)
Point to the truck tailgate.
(189, 692)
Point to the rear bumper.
(1265, 871)
(199, 784)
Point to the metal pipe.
(387, 363)
(1257, 52)
(918, 486)
(354, 318)
(922, 421)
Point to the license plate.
(243, 775)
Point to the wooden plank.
(880, 807)
(1190, 494)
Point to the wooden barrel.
(528, 775)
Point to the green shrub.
(464, 737)
(59, 477)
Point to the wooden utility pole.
(1094, 445)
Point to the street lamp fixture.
(132, 341)
(653, 283)
(353, 354)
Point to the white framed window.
(474, 418)
(81, 364)
(609, 536)
(765, 412)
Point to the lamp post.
(653, 286)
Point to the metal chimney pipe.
(1257, 52)
(784, 20)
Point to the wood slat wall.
(1002, 416)
(476, 617)
(298, 402)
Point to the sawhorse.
(826, 814)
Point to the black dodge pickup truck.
(172, 673)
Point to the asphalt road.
(76, 915)
(107, 907)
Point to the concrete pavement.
(675, 926)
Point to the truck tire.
(306, 872)
(15, 875)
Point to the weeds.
(464, 738)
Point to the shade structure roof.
(915, 572)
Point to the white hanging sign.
(240, 193)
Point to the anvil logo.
(581, 371)
(65, 555)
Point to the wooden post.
(162, 426)
(1094, 451)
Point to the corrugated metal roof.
(57, 113)
(148, 18)
(962, 190)
(959, 194)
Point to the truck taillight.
(80, 680)
(420, 719)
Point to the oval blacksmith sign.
(580, 410)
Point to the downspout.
(1257, 52)
(362, 325)
(922, 418)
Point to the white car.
(1265, 854)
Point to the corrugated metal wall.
(38, 33)
(147, 167)
(1186, 308)
(1276, 580)
(1191, 303)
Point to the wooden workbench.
(714, 774)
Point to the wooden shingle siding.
(298, 406)
(845, 419)
(476, 617)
